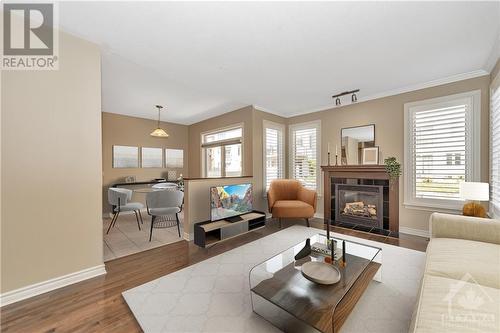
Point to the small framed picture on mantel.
(370, 156)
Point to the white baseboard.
(415, 232)
(319, 215)
(49, 285)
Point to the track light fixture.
(354, 98)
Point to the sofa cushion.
(448, 305)
(453, 258)
(292, 208)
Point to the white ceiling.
(204, 59)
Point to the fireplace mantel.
(362, 172)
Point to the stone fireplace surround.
(374, 175)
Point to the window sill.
(433, 208)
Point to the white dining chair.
(164, 203)
(119, 199)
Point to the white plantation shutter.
(305, 153)
(274, 162)
(440, 153)
(495, 148)
(439, 146)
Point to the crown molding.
(494, 55)
(263, 109)
(415, 87)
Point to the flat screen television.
(230, 201)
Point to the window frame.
(222, 144)
(281, 146)
(291, 144)
(494, 211)
(473, 146)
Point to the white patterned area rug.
(214, 296)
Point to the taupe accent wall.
(132, 131)
(51, 168)
(252, 121)
(388, 115)
(240, 116)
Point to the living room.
(252, 167)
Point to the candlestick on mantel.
(328, 147)
(336, 160)
(328, 158)
(327, 232)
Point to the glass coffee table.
(285, 298)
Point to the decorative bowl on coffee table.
(321, 272)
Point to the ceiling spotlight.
(337, 101)
(354, 98)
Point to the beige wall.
(387, 114)
(131, 131)
(244, 116)
(51, 168)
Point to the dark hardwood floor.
(96, 305)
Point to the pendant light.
(159, 132)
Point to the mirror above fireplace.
(353, 140)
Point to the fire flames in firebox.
(359, 208)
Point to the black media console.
(208, 233)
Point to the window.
(274, 157)
(222, 152)
(495, 148)
(152, 157)
(304, 153)
(125, 157)
(441, 150)
(174, 158)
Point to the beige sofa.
(460, 289)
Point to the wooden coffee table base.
(289, 323)
(347, 303)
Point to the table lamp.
(474, 192)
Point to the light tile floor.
(125, 238)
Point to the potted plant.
(393, 168)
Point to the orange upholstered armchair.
(288, 198)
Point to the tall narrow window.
(441, 149)
(495, 147)
(274, 157)
(304, 153)
(222, 152)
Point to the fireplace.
(360, 204)
(369, 175)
